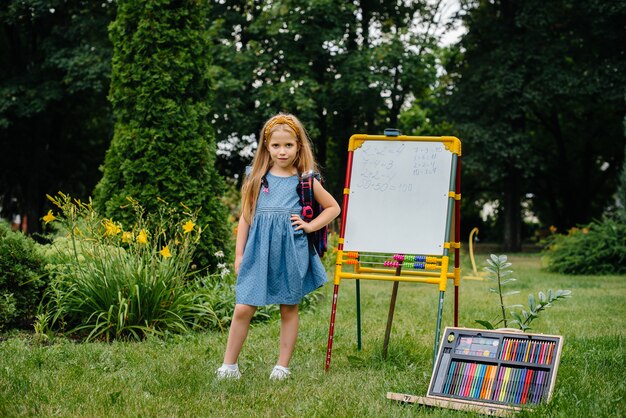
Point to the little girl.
(273, 260)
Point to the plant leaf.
(516, 316)
(542, 297)
(531, 302)
(485, 324)
(510, 292)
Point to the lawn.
(175, 376)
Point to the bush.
(597, 248)
(21, 278)
(109, 283)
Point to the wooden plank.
(460, 405)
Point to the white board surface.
(398, 201)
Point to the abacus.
(390, 177)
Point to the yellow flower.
(165, 252)
(111, 228)
(585, 231)
(552, 229)
(188, 227)
(142, 238)
(127, 237)
(49, 217)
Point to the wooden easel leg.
(392, 307)
(358, 314)
(331, 329)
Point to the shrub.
(163, 143)
(108, 282)
(21, 278)
(596, 248)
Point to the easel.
(399, 267)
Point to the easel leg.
(331, 330)
(392, 307)
(358, 314)
(438, 330)
(456, 305)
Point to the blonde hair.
(262, 161)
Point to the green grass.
(175, 376)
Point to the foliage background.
(534, 90)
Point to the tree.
(163, 146)
(55, 121)
(342, 67)
(538, 102)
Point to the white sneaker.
(228, 372)
(279, 373)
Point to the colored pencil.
(470, 379)
(505, 381)
(528, 343)
(461, 377)
(446, 386)
(529, 375)
(520, 386)
(455, 378)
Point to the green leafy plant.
(22, 278)
(497, 267)
(109, 283)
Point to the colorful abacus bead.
(432, 259)
(419, 266)
(398, 257)
(420, 258)
(352, 261)
(407, 265)
(352, 254)
(389, 263)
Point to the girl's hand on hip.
(237, 263)
(299, 223)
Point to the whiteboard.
(398, 198)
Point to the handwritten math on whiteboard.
(398, 201)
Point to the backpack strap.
(305, 191)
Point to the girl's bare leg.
(288, 333)
(238, 332)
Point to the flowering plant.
(115, 281)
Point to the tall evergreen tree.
(163, 145)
